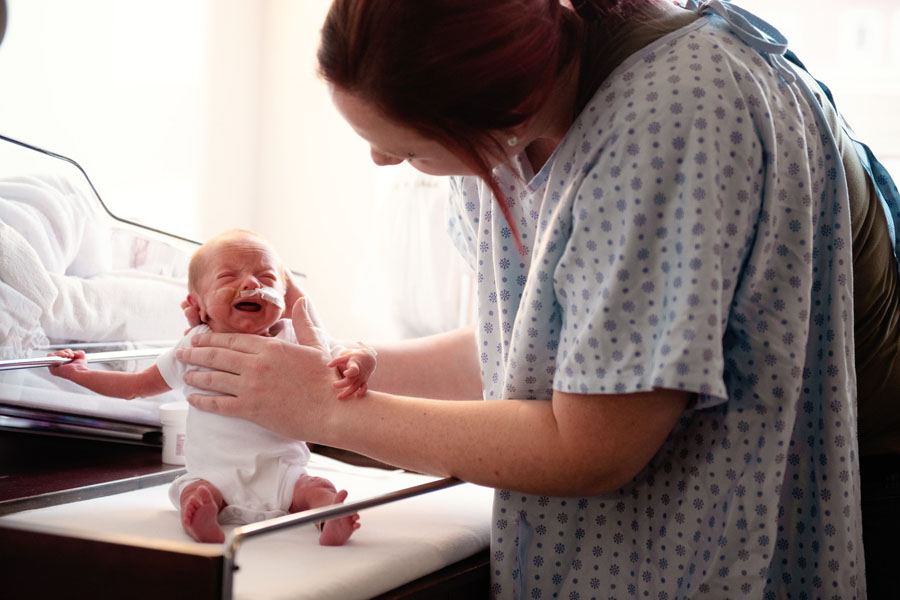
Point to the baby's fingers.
(338, 362)
(353, 387)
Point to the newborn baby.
(237, 472)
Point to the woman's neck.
(553, 121)
(550, 125)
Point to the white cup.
(173, 416)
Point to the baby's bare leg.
(315, 492)
(200, 506)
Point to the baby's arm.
(109, 383)
(355, 367)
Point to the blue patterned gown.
(690, 232)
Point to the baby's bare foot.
(199, 516)
(337, 531)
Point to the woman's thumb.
(307, 333)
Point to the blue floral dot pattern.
(690, 232)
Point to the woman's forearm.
(442, 366)
(574, 445)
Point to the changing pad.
(396, 543)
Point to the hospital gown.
(690, 232)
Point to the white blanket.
(24, 294)
(396, 543)
(59, 221)
(58, 277)
(69, 274)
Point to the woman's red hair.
(459, 72)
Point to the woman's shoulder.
(684, 67)
(676, 88)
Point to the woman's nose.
(383, 160)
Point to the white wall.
(115, 85)
(316, 181)
(200, 115)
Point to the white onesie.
(255, 469)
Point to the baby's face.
(228, 291)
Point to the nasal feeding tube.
(269, 294)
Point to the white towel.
(26, 292)
(60, 222)
(55, 266)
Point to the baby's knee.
(194, 488)
(312, 482)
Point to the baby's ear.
(194, 300)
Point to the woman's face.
(391, 143)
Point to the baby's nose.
(250, 283)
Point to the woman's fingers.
(292, 293)
(228, 406)
(221, 351)
(214, 381)
(240, 342)
(219, 359)
(304, 327)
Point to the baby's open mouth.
(248, 306)
(254, 300)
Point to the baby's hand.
(355, 367)
(69, 369)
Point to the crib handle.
(95, 357)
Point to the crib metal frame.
(95, 357)
(106, 209)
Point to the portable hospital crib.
(84, 511)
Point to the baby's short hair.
(197, 264)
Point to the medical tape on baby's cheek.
(226, 295)
(268, 294)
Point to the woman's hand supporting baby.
(255, 377)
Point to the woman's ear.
(514, 139)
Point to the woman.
(659, 224)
